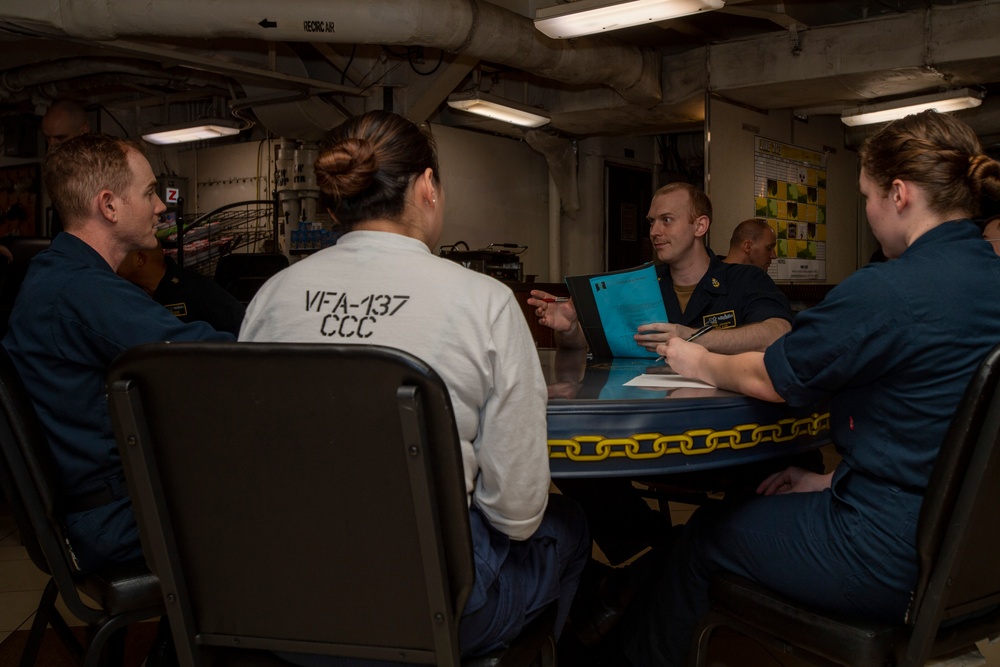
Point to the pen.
(700, 332)
(560, 299)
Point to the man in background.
(63, 120)
(752, 243)
(187, 294)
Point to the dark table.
(599, 428)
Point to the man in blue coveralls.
(748, 312)
(74, 315)
(744, 305)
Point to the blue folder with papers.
(611, 306)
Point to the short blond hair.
(701, 205)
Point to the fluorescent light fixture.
(953, 100)
(498, 108)
(586, 17)
(200, 129)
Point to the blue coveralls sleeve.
(83, 330)
(844, 341)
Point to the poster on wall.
(790, 193)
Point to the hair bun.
(975, 163)
(984, 182)
(347, 169)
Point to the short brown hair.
(79, 168)
(750, 229)
(941, 154)
(701, 205)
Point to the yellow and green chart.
(790, 193)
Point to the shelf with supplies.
(499, 260)
(247, 226)
(311, 237)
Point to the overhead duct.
(306, 118)
(473, 27)
(14, 81)
(289, 112)
(82, 85)
(560, 155)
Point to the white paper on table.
(665, 381)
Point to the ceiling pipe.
(90, 86)
(472, 27)
(17, 80)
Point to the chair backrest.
(242, 274)
(28, 473)
(297, 497)
(961, 510)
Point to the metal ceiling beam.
(776, 14)
(847, 63)
(425, 94)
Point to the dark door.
(628, 195)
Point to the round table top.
(599, 427)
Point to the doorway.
(628, 191)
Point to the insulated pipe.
(473, 27)
(15, 80)
(284, 172)
(57, 89)
(555, 235)
(304, 181)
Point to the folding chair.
(302, 498)
(957, 598)
(124, 595)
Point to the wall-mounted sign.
(790, 193)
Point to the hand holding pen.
(555, 312)
(700, 332)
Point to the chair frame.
(950, 609)
(27, 473)
(140, 397)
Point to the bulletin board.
(790, 193)
(20, 197)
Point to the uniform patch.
(178, 309)
(724, 320)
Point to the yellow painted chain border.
(693, 442)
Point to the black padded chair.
(242, 274)
(303, 498)
(957, 597)
(124, 595)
